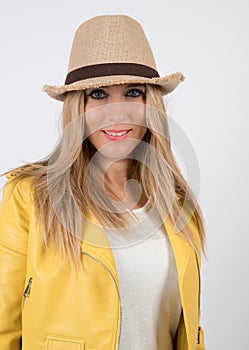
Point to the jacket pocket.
(60, 342)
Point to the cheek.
(96, 138)
(142, 131)
(92, 134)
(93, 122)
(140, 122)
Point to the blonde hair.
(63, 177)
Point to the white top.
(147, 274)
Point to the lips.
(116, 131)
(116, 134)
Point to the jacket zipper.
(199, 302)
(26, 293)
(112, 277)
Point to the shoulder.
(18, 187)
(191, 219)
(10, 175)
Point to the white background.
(205, 40)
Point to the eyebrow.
(133, 85)
(128, 86)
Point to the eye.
(97, 94)
(135, 93)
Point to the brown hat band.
(107, 69)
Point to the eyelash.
(102, 91)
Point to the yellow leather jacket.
(45, 304)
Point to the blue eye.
(135, 93)
(97, 94)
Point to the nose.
(116, 97)
(117, 110)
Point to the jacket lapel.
(96, 243)
(188, 281)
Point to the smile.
(116, 135)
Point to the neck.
(115, 170)
(115, 177)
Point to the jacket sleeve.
(14, 226)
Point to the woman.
(100, 241)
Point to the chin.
(119, 149)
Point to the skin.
(116, 107)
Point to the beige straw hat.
(108, 50)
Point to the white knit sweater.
(147, 274)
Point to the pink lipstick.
(116, 134)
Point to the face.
(115, 119)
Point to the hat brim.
(167, 84)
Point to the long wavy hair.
(62, 192)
